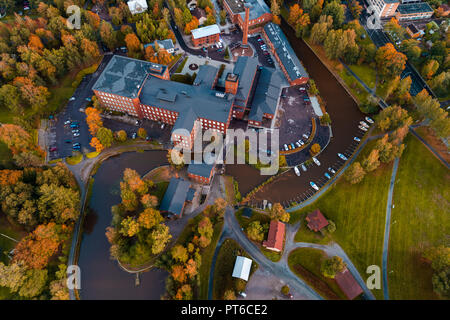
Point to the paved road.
(232, 230)
(387, 229)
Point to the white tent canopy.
(242, 268)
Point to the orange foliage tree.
(93, 120)
(95, 143)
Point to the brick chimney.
(245, 31)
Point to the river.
(101, 277)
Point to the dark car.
(68, 141)
(53, 149)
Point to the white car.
(362, 128)
(286, 147)
(162, 126)
(67, 122)
(301, 142)
(76, 134)
(369, 120)
(298, 144)
(315, 187)
(297, 172)
(357, 139)
(316, 161)
(305, 136)
(304, 167)
(340, 155)
(72, 98)
(364, 124)
(332, 170)
(133, 136)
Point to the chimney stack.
(245, 31)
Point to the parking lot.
(295, 116)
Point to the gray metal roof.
(205, 31)
(175, 196)
(266, 95)
(246, 68)
(206, 75)
(409, 8)
(123, 76)
(190, 194)
(285, 52)
(257, 9)
(165, 44)
(200, 169)
(191, 102)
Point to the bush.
(181, 66)
(285, 290)
(80, 75)
(325, 119)
(331, 226)
(91, 155)
(76, 159)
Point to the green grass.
(181, 66)
(419, 219)
(91, 155)
(366, 73)
(207, 256)
(160, 190)
(226, 258)
(306, 263)
(359, 214)
(74, 159)
(60, 94)
(355, 87)
(256, 216)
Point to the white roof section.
(242, 268)
(137, 6)
(205, 31)
(316, 106)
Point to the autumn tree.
(142, 133)
(179, 253)
(149, 201)
(133, 44)
(389, 61)
(121, 135)
(229, 295)
(430, 68)
(393, 117)
(355, 173)
(315, 149)
(278, 213)
(160, 236)
(93, 120)
(371, 162)
(336, 10)
(149, 218)
(108, 35)
(105, 136)
(95, 143)
(205, 230)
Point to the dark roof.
(267, 92)
(245, 68)
(191, 102)
(190, 194)
(348, 284)
(391, 1)
(276, 235)
(413, 28)
(257, 8)
(200, 169)
(198, 13)
(124, 76)
(175, 196)
(247, 212)
(165, 44)
(206, 76)
(316, 220)
(285, 52)
(409, 8)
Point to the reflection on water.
(101, 277)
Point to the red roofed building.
(348, 284)
(275, 238)
(316, 221)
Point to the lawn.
(306, 263)
(419, 219)
(74, 159)
(304, 234)
(226, 258)
(355, 87)
(359, 214)
(366, 73)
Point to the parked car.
(304, 167)
(297, 172)
(315, 187)
(286, 147)
(305, 136)
(74, 125)
(340, 155)
(75, 131)
(68, 141)
(76, 134)
(332, 170)
(293, 146)
(362, 128)
(357, 139)
(316, 161)
(302, 89)
(298, 144)
(290, 147)
(88, 99)
(369, 120)
(67, 122)
(364, 124)
(76, 144)
(72, 98)
(163, 125)
(133, 136)
(266, 53)
(326, 174)
(53, 149)
(301, 142)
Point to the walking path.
(387, 229)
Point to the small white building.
(242, 268)
(137, 6)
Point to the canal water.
(101, 277)
(345, 116)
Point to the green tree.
(121, 135)
(285, 290)
(142, 133)
(371, 162)
(255, 231)
(105, 136)
(330, 267)
(160, 236)
(335, 10)
(179, 253)
(277, 212)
